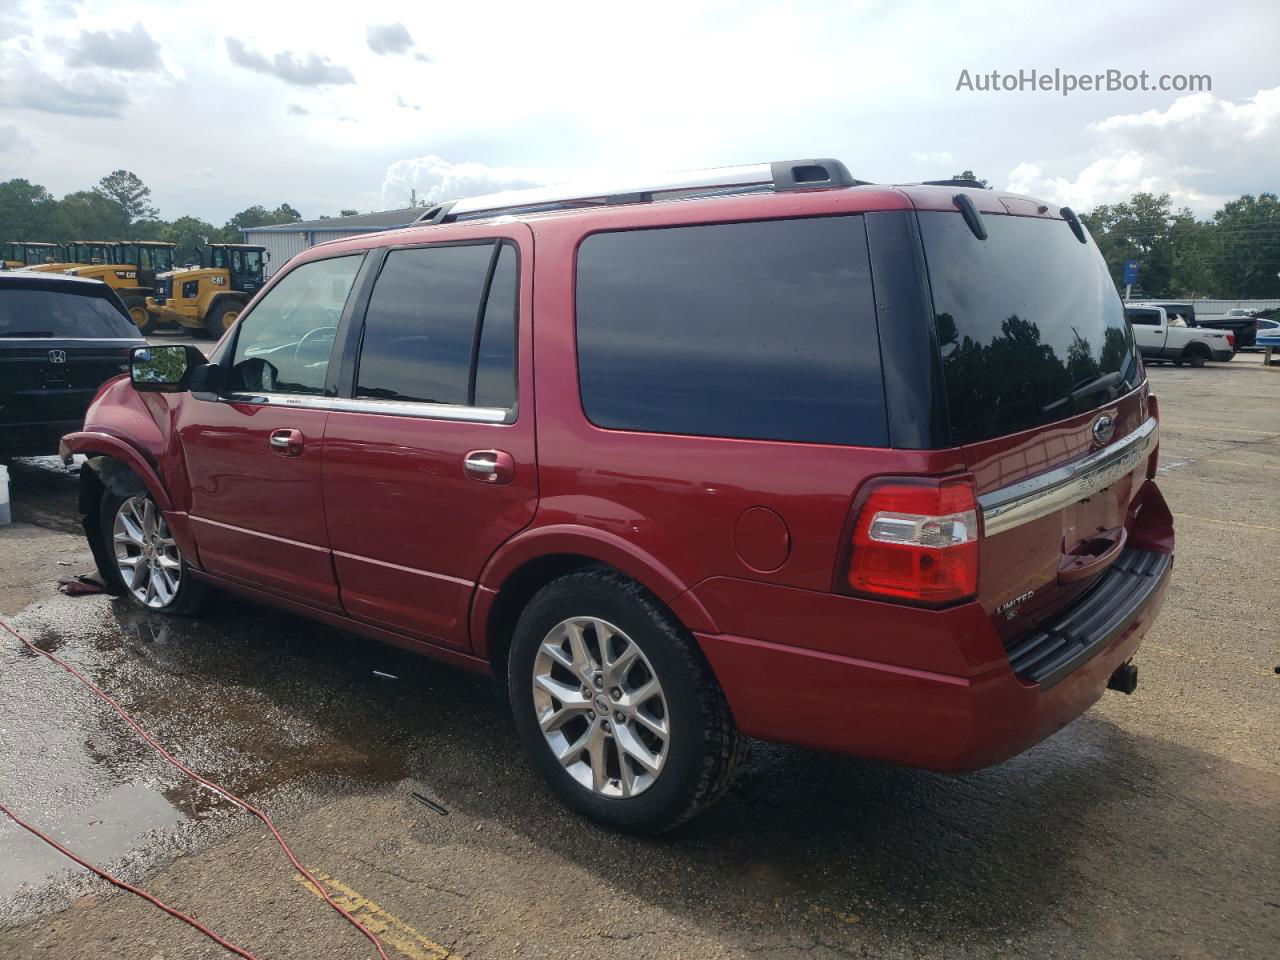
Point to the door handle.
(489, 466)
(287, 443)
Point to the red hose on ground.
(220, 941)
(208, 785)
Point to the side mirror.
(164, 369)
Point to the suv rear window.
(54, 313)
(1031, 327)
(764, 330)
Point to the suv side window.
(764, 330)
(430, 334)
(284, 343)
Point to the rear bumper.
(915, 717)
(1223, 355)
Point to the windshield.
(54, 313)
(1030, 326)
(246, 261)
(158, 259)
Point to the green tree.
(348, 213)
(89, 215)
(126, 189)
(1248, 247)
(970, 175)
(26, 211)
(257, 216)
(192, 237)
(1137, 229)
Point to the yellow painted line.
(846, 918)
(1226, 523)
(386, 926)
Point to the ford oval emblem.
(1103, 429)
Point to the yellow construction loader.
(16, 254)
(209, 297)
(78, 253)
(132, 273)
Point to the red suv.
(762, 451)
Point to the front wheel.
(221, 318)
(146, 562)
(137, 307)
(616, 707)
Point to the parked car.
(1160, 339)
(1241, 327)
(1264, 328)
(687, 461)
(60, 340)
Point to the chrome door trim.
(386, 408)
(1055, 489)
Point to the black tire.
(190, 596)
(1196, 358)
(137, 307)
(704, 749)
(219, 319)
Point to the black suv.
(61, 338)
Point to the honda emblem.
(57, 356)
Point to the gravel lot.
(1149, 828)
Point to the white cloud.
(129, 50)
(312, 70)
(437, 179)
(1202, 150)
(81, 95)
(386, 38)
(932, 157)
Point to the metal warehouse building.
(287, 240)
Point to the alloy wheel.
(146, 554)
(601, 707)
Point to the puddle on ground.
(258, 701)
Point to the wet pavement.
(1149, 828)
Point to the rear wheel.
(137, 307)
(1196, 356)
(146, 562)
(221, 317)
(616, 708)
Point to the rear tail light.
(1231, 340)
(916, 540)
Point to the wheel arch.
(1197, 348)
(528, 562)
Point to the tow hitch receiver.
(1125, 679)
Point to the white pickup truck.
(1158, 339)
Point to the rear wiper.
(1085, 388)
(26, 333)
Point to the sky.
(218, 106)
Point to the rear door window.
(430, 334)
(763, 330)
(1030, 325)
(1143, 318)
(53, 313)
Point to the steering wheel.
(312, 335)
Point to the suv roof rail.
(955, 182)
(780, 176)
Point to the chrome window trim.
(386, 408)
(1055, 489)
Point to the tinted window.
(421, 324)
(1030, 324)
(1143, 318)
(283, 344)
(763, 330)
(51, 313)
(496, 358)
